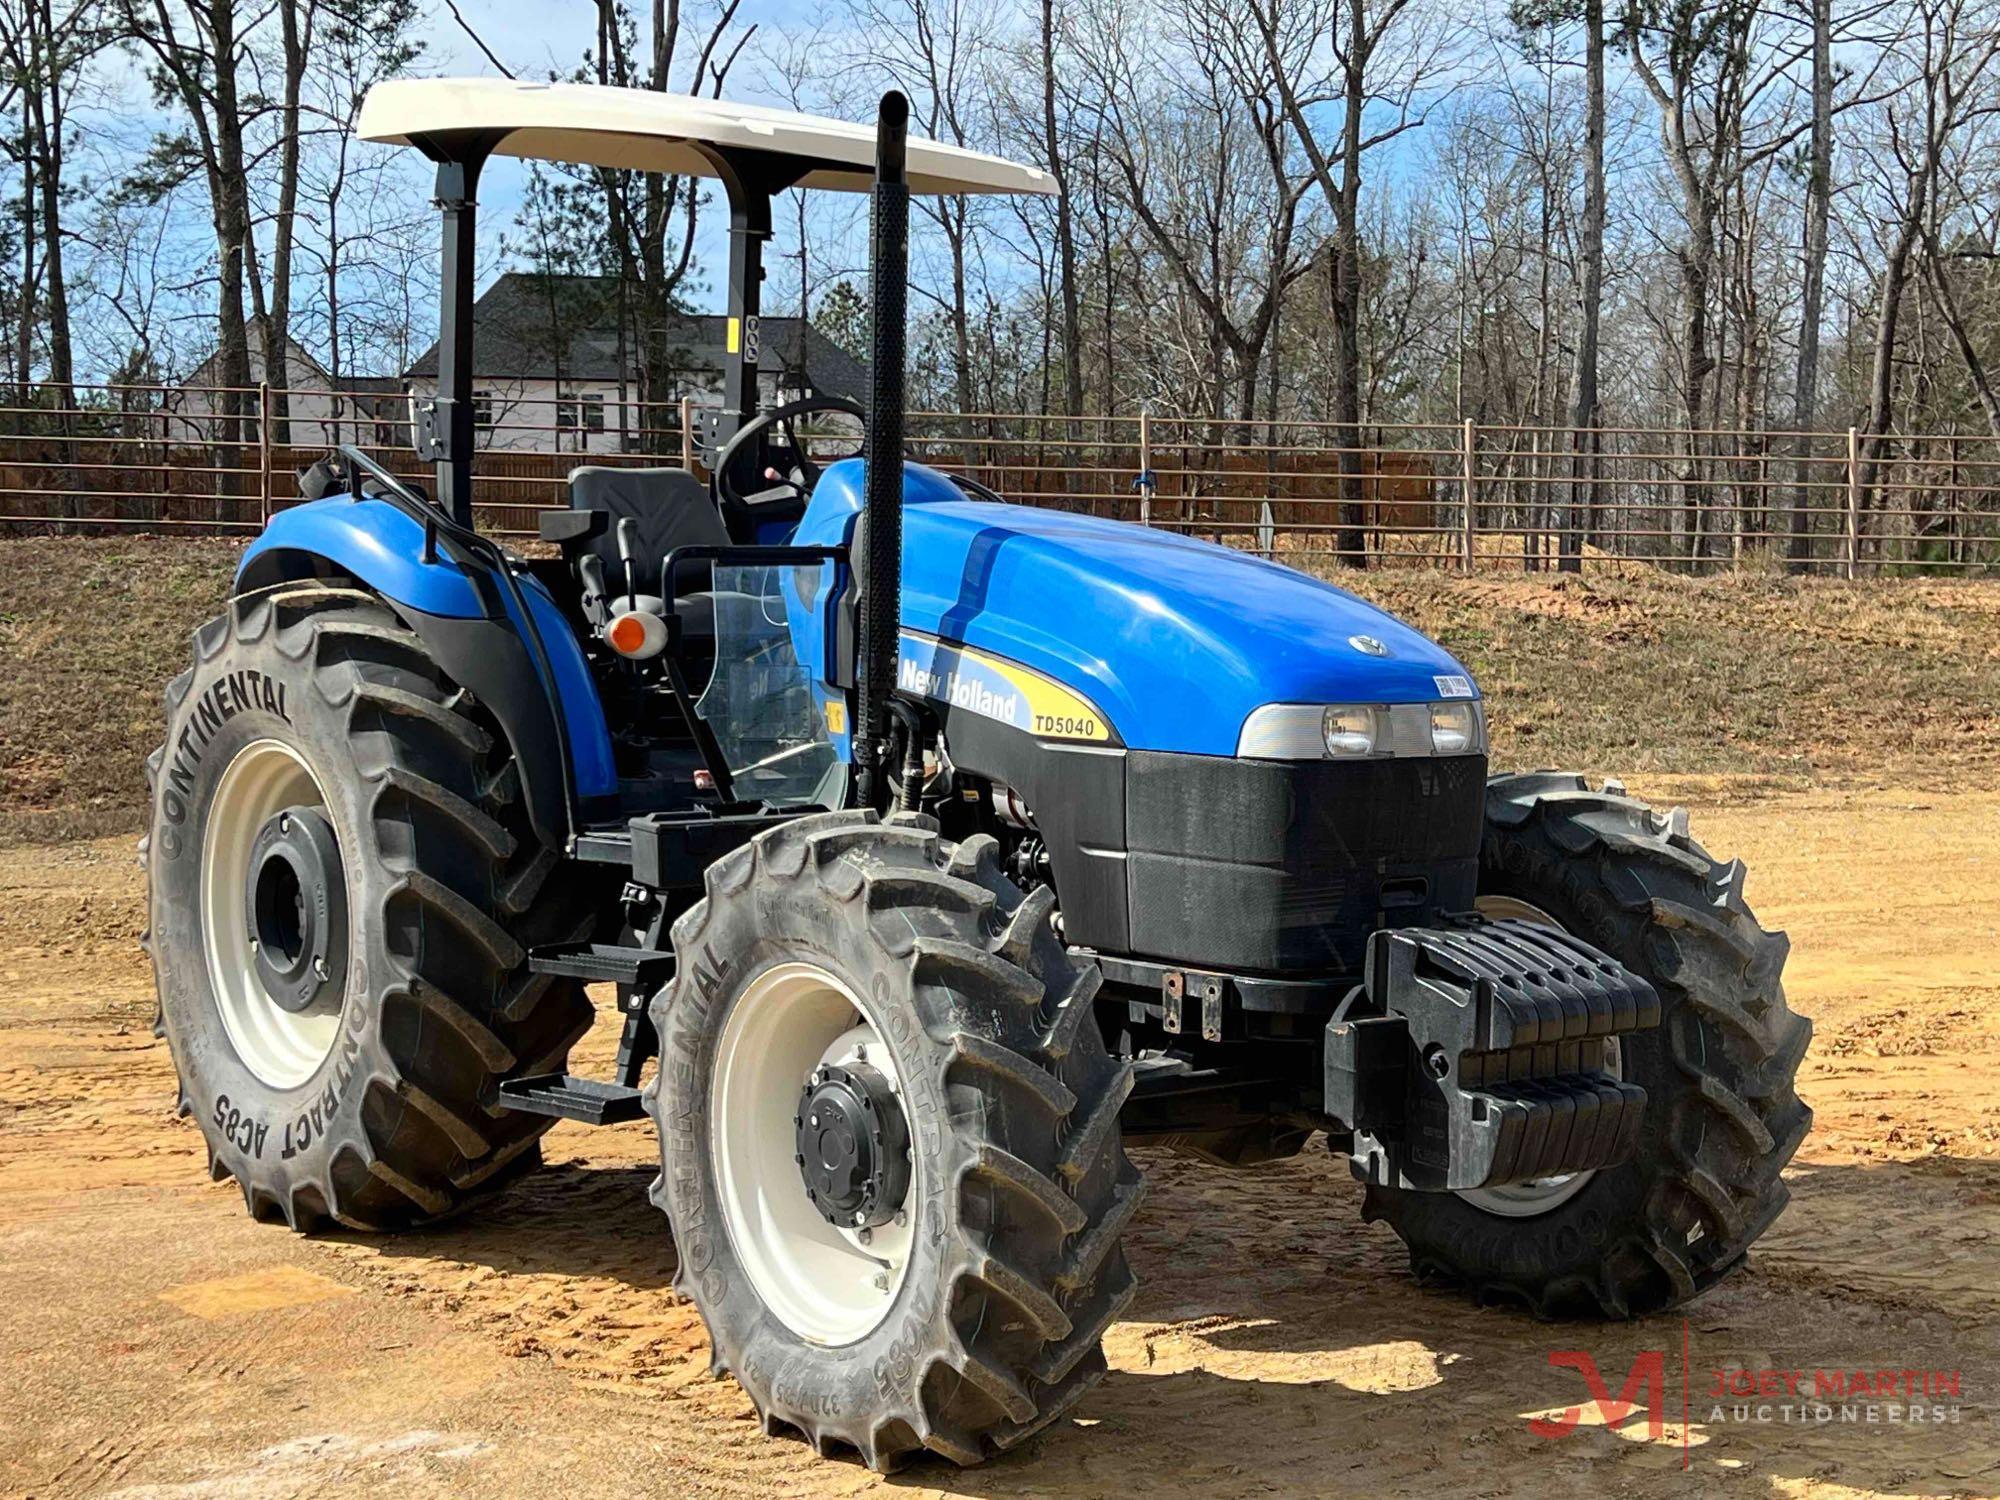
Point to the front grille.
(1285, 868)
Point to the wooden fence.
(217, 461)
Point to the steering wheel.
(804, 473)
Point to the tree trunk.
(229, 192)
(1072, 310)
(1696, 265)
(956, 216)
(1819, 199)
(1882, 373)
(1350, 540)
(278, 315)
(1584, 414)
(46, 114)
(24, 325)
(1968, 352)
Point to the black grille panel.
(1284, 868)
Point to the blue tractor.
(936, 847)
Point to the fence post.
(1851, 549)
(1145, 467)
(264, 450)
(687, 433)
(1469, 538)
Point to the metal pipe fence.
(220, 461)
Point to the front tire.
(996, 1279)
(1722, 1113)
(359, 1084)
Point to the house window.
(580, 413)
(482, 410)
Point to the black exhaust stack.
(882, 496)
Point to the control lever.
(591, 566)
(628, 543)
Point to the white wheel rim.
(1538, 1195)
(828, 1285)
(283, 1048)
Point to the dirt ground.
(156, 1342)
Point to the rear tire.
(1722, 1114)
(382, 1112)
(990, 1329)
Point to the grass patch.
(1651, 673)
(91, 630)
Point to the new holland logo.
(1006, 692)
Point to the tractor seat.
(672, 509)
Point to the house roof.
(534, 326)
(305, 372)
(297, 359)
(641, 130)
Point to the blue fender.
(382, 547)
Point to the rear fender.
(475, 643)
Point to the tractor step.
(567, 1097)
(604, 963)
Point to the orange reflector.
(627, 635)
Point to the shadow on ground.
(1279, 1345)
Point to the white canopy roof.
(649, 132)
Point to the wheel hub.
(295, 899)
(853, 1146)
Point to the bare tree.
(199, 61)
(1945, 61)
(1383, 57)
(45, 48)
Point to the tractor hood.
(1173, 640)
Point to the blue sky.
(534, 39)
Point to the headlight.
(1360, 731)
(1455, 729)
(1348, 731)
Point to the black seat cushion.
(672, 509)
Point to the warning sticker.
(1453, 686)
(1005, 691)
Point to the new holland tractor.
(936, 849)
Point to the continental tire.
(320, 696)
(1722, 1115)
(1019, 1188)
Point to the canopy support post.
(445, 432)
(749, 228)
(751, 179)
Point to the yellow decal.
(733, 339)
(836, 716)
(996, 689)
